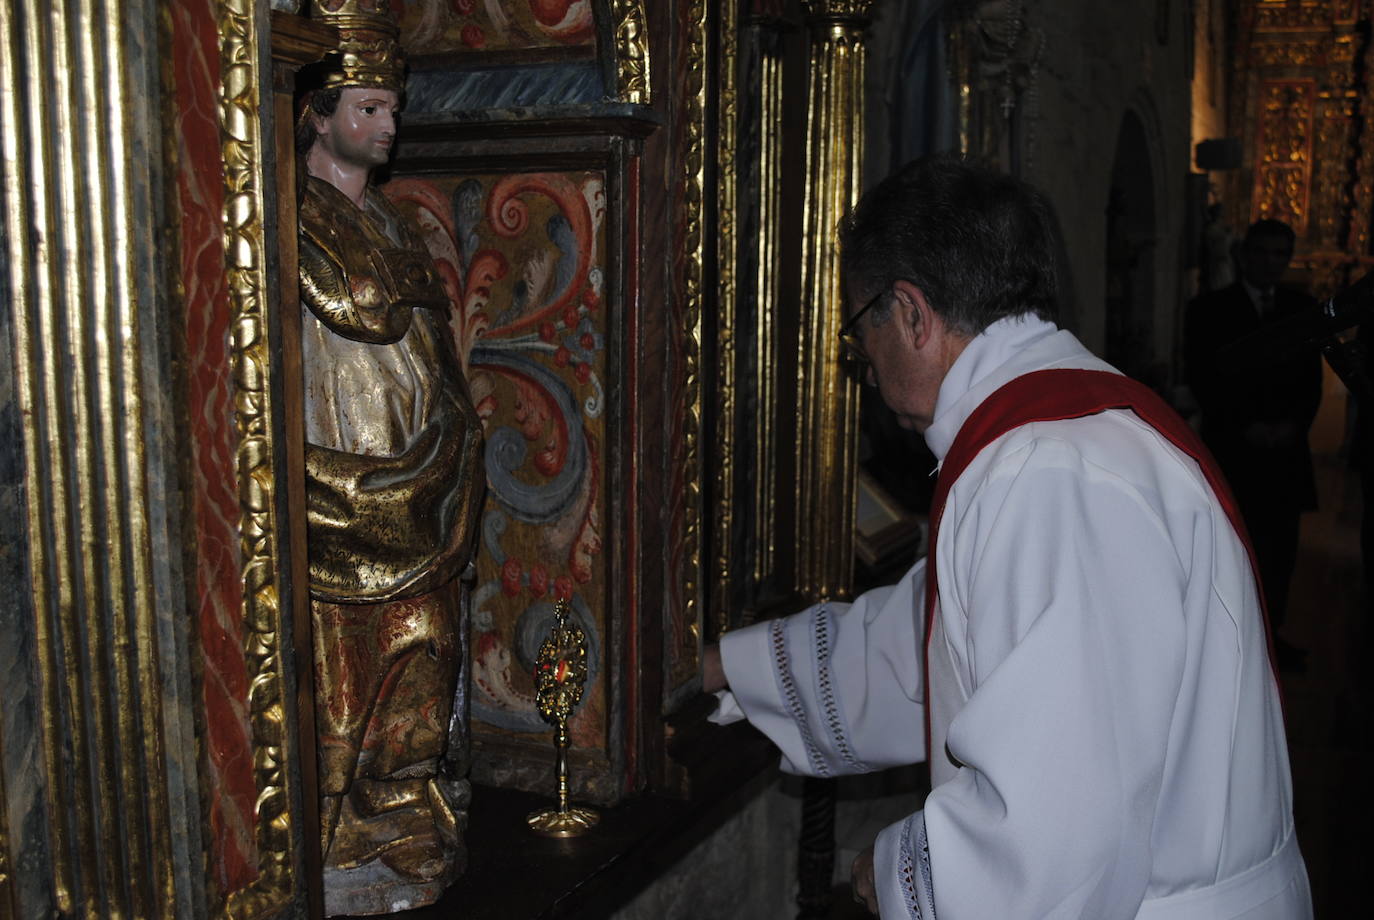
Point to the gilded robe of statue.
(394, 482)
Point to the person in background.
(1256, 420)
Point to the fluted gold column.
(828, 424)
(76, 105)
(767, 246)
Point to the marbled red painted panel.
(228, 755)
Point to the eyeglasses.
(851, 349)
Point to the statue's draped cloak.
(393, 453)
(394, 479)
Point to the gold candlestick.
(560, 672)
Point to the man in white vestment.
(1089, 676)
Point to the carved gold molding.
(693, 200)
(843, 12)
(245, 246)
(1291, 54)
(828, 433)
(631, 52)
(726, 312)
(1285, 15)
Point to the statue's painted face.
(362, 128)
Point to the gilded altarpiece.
(1305, 112)
(613, 191)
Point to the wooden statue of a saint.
(394, 480)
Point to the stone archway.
(1131, 242)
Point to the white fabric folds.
(1106, 735)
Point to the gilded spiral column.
(828, 410)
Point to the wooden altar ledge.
(514, 874)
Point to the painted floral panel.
(522, 257)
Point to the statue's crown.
(369, 46)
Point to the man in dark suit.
(1256, 421)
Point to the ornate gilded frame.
(244, 114)
(691, 276)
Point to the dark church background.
(672, 175)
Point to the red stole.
(1052, 395)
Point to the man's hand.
(861, 879)
(712, 671)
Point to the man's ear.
(914, 309)
(319, 123)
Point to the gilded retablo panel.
(1284, 162)
(1281, 15)
(522, 256)
(436, 26)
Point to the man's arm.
(838, 687)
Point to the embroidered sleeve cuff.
(784, 680)
(747, 658)
(901, 870)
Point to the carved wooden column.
(828, 409)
